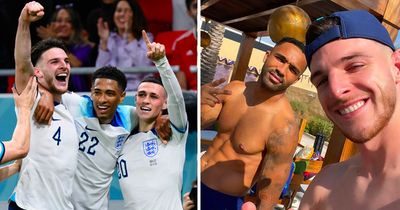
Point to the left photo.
(99, 104)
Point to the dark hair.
(139, 20)
(110, 72)
(319, 27)
(42, 46)
(77, 33)
(294, 41)
(188, 3)
(152, 79)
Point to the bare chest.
(248, 128)
(360, 193)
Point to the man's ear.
(123, 94)
(396, 61)
(165, 104)
(266, 55)
(37, 72)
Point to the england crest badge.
(150, 147)
(120, 142)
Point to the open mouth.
(146, 109)
(102, 108)
(61, 77)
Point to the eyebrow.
(286, 61)
(350, 57)
(341, 60)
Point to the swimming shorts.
(214, 200)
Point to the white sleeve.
(175, 102)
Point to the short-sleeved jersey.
(99, 148)
(2, 151)
(48, 170)
(150, 173)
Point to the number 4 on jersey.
(57, 136)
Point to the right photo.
(299, 104)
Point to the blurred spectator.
(105, 11)
(184, 51)
(124, 46)
(181, 18)
(66, 25)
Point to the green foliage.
(318, 124)
(298, 107)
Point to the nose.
(146, 99)
(339, 84)
(102, 98)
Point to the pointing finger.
(146, 39)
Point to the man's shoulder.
(235, 86)
(330, 174)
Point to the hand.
(17, 164)
(45, 108)
(155, 51)
(187, 203)
(103, 30)
(32, 12)
(248, 206)
(46, 32)
(210, 92)
(128, 24)
(26, 99)
(163, 128)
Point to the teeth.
(145, 109)
(352, 108)
(102, 107)
(62, 75)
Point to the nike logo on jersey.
(89, 129)
(54, 119)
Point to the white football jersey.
(99, 148)
(48, 170)
(149, 172)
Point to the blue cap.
(353, 24)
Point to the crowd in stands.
(109, 34)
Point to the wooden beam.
(376, 6)
(303, 123)
(243, 57)
(208, 4)
(266, 13)
(391, 20)
(339, 149)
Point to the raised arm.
(276, 164)
(31, 12)
(18, 147)
(175, 102)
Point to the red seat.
(167, 38)
(158, 14)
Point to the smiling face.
(123, 16)
(106, 96)
(150, 100)
(63, 25)
(53, 69)
(356, 85)
(283, 67)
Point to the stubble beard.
(366, 134)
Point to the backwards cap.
(353, 24)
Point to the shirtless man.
(359, 90)
(257, 133)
